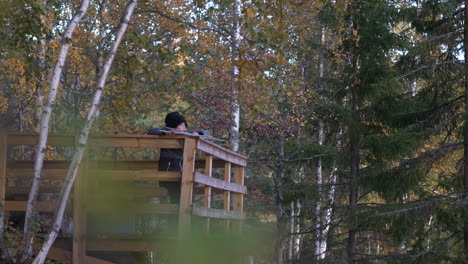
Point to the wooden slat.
(227, 194)
(222, 153)
(20, 206)
(220, 184)
(138, 208)
(187, 185)
(138, 175)
(218, 213)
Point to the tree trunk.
(318, 204)
(465, 131)
(353, 176)
(83, 137)
(235, 105)
(280, 211)
(44, 129)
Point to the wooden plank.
(222, 153)
(136, 141)
(29, 164)
(79, 214)
(33, 139)
(187, 185)
(3, 179)
(125, 141)
(44, 188)
(238, 199)
(218, 213)
(46, 173)
(138, 175)
(20, 206)
(219, 184)
(105, 164)
(227, 194)
(149, 208)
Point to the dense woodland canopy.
(352, 112)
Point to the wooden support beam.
(227, 193)
(239, 197)
(219, 184)
(187, 185)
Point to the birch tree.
(83, 136)
(235, 105)
(44, 129)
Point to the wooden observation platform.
(211, 186)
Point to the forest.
(353, 113)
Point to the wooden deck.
(209, 171)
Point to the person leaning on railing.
(172, 159)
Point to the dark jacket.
(169, 159)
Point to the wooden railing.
(201, 158)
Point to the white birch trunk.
(318, 206)
(327, 217)
(298, 236)
(83, 137)
(319, 172)
(291, 231)
(44, 128)
(235, 105)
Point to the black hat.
(174, 119)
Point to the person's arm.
(156, 131)
(202, 132)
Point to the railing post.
(238, 198)
(186, 188)
(207, 196)
(227, 194)
(3, 157)
(79, 214)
